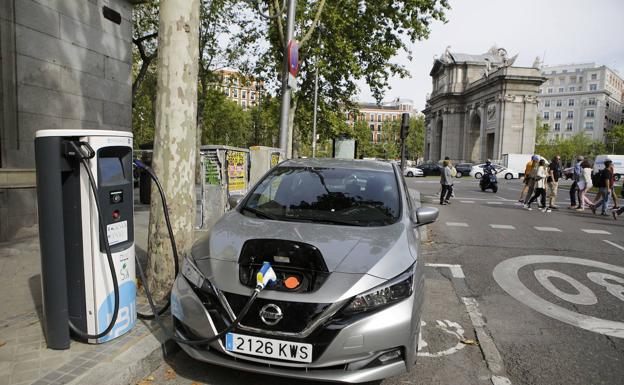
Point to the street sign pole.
(285, 136)
(403, 134)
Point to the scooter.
(489, 181)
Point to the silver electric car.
(342, 239)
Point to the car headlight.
(191, 272)
(388, 293)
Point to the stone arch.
(473, 139)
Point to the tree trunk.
(174, 139)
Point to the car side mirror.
(234, 200)
(426, 215)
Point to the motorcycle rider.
(489, 169)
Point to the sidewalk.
(24, 357)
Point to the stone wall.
(72, 70)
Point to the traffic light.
(404, 125)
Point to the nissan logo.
(271, 314)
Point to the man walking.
(527, 179)
(604, 188)
(446, 180)
(574, 190)
(554, 173)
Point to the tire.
(508, 176)
(618, 177)
(459, 174)
(478, 175)
(410, 174)
(494, 189)
(482, 188)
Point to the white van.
(618, 164)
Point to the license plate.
(268, 347)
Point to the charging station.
(79, 291)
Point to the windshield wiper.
(258, 213)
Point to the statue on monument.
(537, 63)
(446, 56)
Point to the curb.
(133, 364)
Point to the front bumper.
(351, 354)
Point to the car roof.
(352, 164)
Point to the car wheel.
(508, 176)
(410, 174)
(459, 174)
(478, 175)
(617, 177)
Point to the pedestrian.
(574, 189)
(532, 175)
(603, 182)
(617, 212)
(527, 179)
(453, 173)
(554, 173)
(584, 185)
(539, 177)
(446, 180)
(612, 184)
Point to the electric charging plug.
(265, 275)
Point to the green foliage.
(615, 139)
(415, 142)
(569, 148)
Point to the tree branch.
(145, 61)
(315, 22)
(280, 26)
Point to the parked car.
(412, 171)
(463, 169)
(339, 235)
(477, 171)
(430, 168)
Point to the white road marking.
(456, 270)
(489, 349)
(553, 229)
(519, 204)
(614, 244)
(452, 328)
(506, 275)
(457, 224)
(591, 231)
(500, 380)
(467, 201)
(506, 227)
(494, 203)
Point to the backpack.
(598, 178)
(453, 172)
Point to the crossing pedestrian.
(527, 180)
(604, 184)
(617, 212)
(446, 180)
(612, 184)
(554, 173)
(585, 184)
(574, 190)
(532, 178)
(539, 176)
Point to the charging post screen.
(111, 170)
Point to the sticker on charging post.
(117, 232)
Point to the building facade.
(63, 65)
(480, 107)
(376, 114)
(243, 90)
(581, 98)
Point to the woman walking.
(539, 180)
(584, 185)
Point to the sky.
(559, 31)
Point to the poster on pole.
(237, 172)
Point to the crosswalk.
(500, 226)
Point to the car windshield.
(326, 195)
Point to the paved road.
(533, 320)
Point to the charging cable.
(83, 151)
(265, 275)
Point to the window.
(379, 127)
(546, 115)
(557, 126)
(572, 89)
(572, 79)
(244, 104)
(550, 90)
(558, 115)
(592, 101)
(558, 103)
(594, 76)
(379, 117)
(252, 95)
(235, 92)
(244, 94)
(590, 113)
(560, 89)
(546, 126)
(569, 126)
(570, 114)
(547, 103)
(589, 125)
(372, 127)
(570, 102)
(565, 71)
(553, 72)
(593, 87)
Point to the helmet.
(535, 157)
(488, 161)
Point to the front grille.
(296, 315)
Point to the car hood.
(382, 252)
